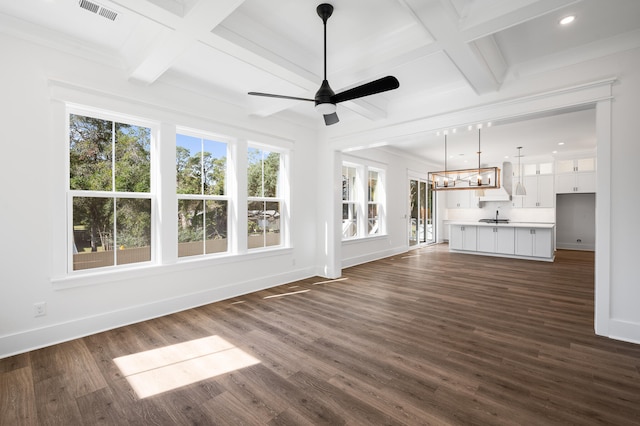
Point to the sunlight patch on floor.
(286, 294)
(160, 370)
(331, 281)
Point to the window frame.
(282, 196)
(163, 187)
(379, 202)
(230, 144)
(352, 203)
(112, 194)
(361, 199)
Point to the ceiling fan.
(326, 99)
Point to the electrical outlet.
(40, 309)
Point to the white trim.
(370, 257)
(573, 96)
(133, 271)
(129, 104)
(624, 330)
(602, 314)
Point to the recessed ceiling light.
(567, 20)
(554, 152)
(560, 143)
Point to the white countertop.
(505, 225)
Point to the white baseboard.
(625, 331)
(370, 257)
(575, 246)
(28, 340)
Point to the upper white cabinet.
(577, 175)
(538, 182)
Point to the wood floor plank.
(100, 408)
(15, 362)
(55, 405)
(17, 399)
(429, 337)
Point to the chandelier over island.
(476, 179)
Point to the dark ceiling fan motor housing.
(326, 99)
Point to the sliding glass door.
(421, 228)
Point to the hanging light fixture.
(480, 190)
(475, 179)
(520, 189)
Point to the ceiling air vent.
(99, 9)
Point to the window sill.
(83, 279)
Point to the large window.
(374, 203)
(110, 192)
(363, 201)
(264, 202)
(123, 207)
(350, 205)
(201, 188)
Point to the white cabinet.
(539, 191)
(538, 182)
(496, 239)
(461, 199)
(530, 241)
(462, 237)
(535, 242)
(576, 175)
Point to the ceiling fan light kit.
(326, 99)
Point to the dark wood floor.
(427, 337)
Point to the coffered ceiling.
(226, 48)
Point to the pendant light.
(520, 189)
(480, 190)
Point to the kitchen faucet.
(496, 216)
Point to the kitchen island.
(519, 240)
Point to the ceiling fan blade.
(377, 86)
(270, 95)
(330, 119)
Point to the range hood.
(504, 192)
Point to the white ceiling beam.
(185, 30)
(467, 57)
(197, 26)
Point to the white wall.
(576, 221)
(34, 82)
(625, 233)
